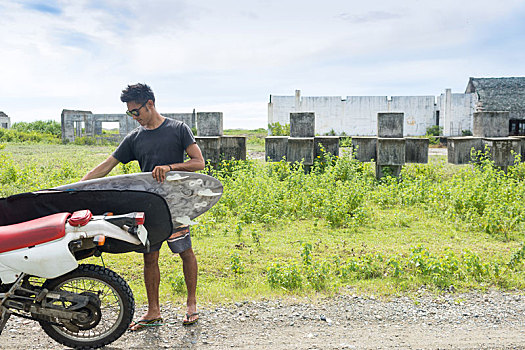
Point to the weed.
(236, 265)
(178, 286)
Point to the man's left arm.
(196, 162)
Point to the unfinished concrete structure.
(209, 124)
(389, 150)
(77, 123)
(454, 112)
(501, 94)
(302, 145)
(5, 121)
(357, 115)
(498, 122)
(213, 144)
(275, 148)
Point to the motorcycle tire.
(116, 303)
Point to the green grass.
(254, 138)
(278, 232)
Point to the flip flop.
(144, 323)
(187, 321)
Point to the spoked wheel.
(104, 319)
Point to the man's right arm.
(102, 169)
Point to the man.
(158, 144)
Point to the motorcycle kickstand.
(4, 316)
(4, 312)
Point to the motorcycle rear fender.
(98, 226)
(47, 260)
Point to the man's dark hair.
(138, 93)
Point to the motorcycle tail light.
(99, 240)
(140, 218)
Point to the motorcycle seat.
(33, 232)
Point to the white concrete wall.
(279, 109)
(357, 115)
(360, 117)
(456, 112)
(329, 112)
(419, 113)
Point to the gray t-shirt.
(161, 146)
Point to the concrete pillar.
(67, 124)
(522, 146)
(490, 124)
(209, 124)
(391, 151)
(186, 118)
(447, 118)
(459, 148)
(233, 147)
(416, 150)
(503, 150)
(330, 145)
(390, 125)
(125, 125)
(210, 147)
(390, 155)
(364, 148)
(302, 124)
(78, 129)
(275, 147)
(297, 100)
(89, 125)
(98, 128)
(300, 149)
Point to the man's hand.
(159, 173)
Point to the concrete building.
(85, 123)
(501, 95)
(5, 121)
(356, 115)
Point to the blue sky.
(230, 56)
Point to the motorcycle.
(81, 306)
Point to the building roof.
(2, 114)
(499, 94)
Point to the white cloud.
(233, 55)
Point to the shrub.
(276, 129)
(284, 275)
(40, 126)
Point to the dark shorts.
(178, 242)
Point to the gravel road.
(492, 320)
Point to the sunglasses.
(136, 111)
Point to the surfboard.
(187, 194)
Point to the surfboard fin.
(175, 177)
(185, 220)
(208, 193)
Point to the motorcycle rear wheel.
(111, 317)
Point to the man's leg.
(190, 269)
(152, 282)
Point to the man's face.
(139, 112)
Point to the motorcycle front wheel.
(107, 317)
